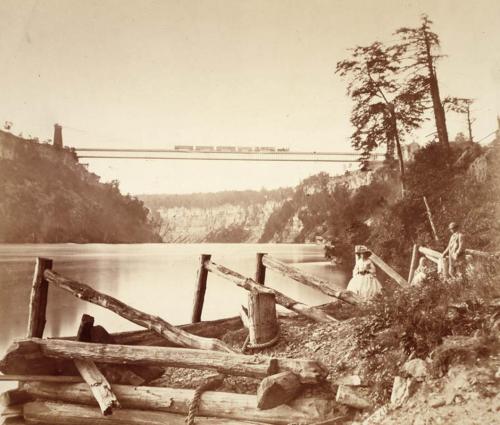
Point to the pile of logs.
(97, 377)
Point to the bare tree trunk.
(436, 99)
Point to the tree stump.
(263, 325)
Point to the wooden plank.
(39, 412)
(278, 389)
(388, 270)
(309, 280)
(429, 252)
(201, 288)
(157, 324)
(244, 317)
(260, 269)
(309, 371)
(263, 325)
(38, 299)
(97, 382)
(281, 299)
(176, 400)
(413, 263)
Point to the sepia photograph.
(250, 212)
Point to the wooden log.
(263, 325)
(281, 299)
(42, 378)
(483, 254)
(278, 389)
(309, 371)
(388, 270)
(429, 215)
(157, 324)
(201, 287)
(445, 262)
(260, 269)
(38, 299)
(47, 412)
(244, 317)
(309, 280)
(413, 263)
(176, 400)
(429, 252)
(12, 412)
(14, 397)
(208, 329)
(17, 420)
(99, 385)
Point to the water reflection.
(156, 278)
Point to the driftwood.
(172, 333)
(278, 389)
(39, 412)
(263, 325)
(201, 288)
(350, 397)
(175, 400)
(38, 299)
(483, 254)
(309, 280)
(99, 385)
(388, 270)
(281, 299)
(309, 371)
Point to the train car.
(283, 149)
(204, 148)
(225, 148)
(183, 148)
(265, 149)
(248, 149)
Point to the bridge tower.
(58, 140)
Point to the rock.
(437, 401)
(351, 380)
(416, 368)
(402, 390)
(377, 416)
(348, 396)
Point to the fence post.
(38, 299)
(263, 325)
(260, 273)
(413, 263)
(201, 287)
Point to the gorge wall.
(283, 215)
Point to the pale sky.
(251, 73)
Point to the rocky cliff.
(47, 196)
(284, 215)
(222, 223)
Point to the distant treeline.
(215, 199)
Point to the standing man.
(456, 251)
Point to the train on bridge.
(230, 149)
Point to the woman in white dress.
(364, 281)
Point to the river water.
(156, 278)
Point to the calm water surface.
(156, 278)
